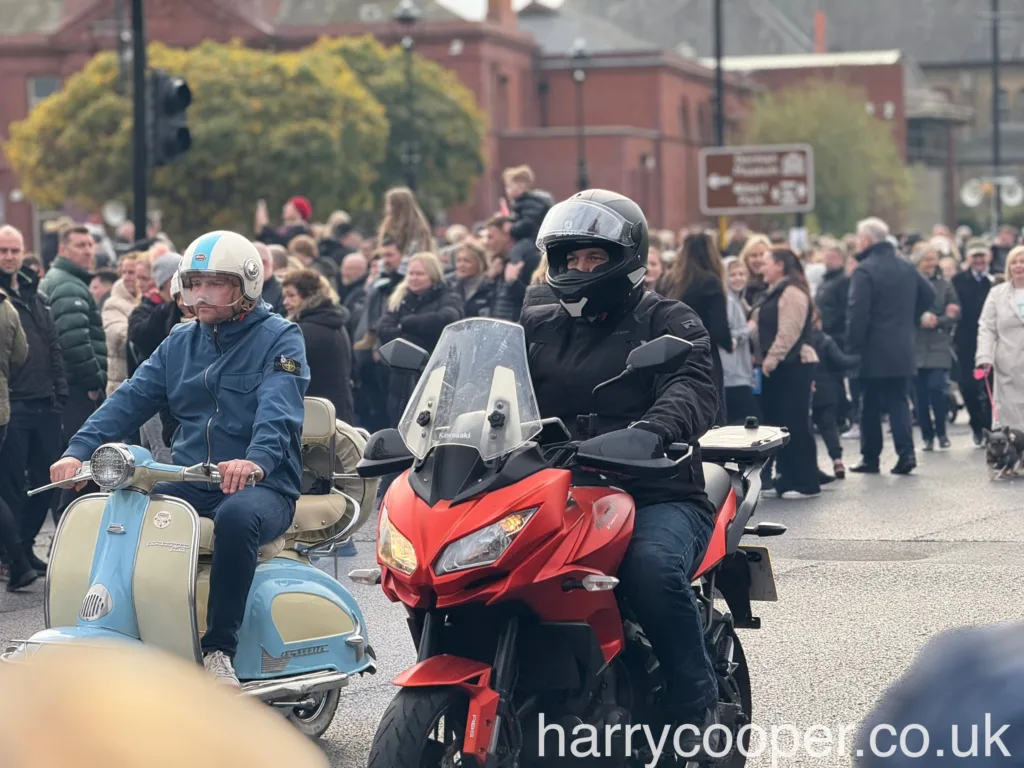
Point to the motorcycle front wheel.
(422, 728)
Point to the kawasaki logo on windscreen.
(453, 436)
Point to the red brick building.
(646, 111)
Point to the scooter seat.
(268, 551)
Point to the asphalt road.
(866, 574)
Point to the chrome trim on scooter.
(193, 568)
(53, 548)
(296, 687)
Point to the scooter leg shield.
(298, 620)
(474, 678)
(71, 558)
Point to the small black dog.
(1004, 451)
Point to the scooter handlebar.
(205, 473)
(82, 475)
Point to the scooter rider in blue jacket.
(235, 381)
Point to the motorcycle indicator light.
(485, 546)
(393, 549)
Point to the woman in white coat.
(1001, 343)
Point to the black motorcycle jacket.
(569, 357)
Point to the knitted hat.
(164, 268)
(303, 206)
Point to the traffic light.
(169, 100)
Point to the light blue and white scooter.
(127, 565)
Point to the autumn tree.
(858, 168)
(263, 125)
(448, 123)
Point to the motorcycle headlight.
(112, 466)
(485, 546)
(393, 549)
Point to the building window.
(702, 123)
(684, 120)
(41, 87)
(927, 142)
(1018, 107)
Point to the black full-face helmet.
(601, 219)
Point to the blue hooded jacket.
(245, 378)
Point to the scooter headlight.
(112, 466)
(393, 549)
(485, 546)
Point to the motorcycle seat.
(717, 483)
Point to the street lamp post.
(579, 75)
(407, 14)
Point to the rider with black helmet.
(596, 246)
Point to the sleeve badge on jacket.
(287, 365)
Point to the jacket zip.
(216, 402)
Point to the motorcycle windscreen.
(74, 546)
(475, 391)
(164, 582)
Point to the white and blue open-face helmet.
(220, 254)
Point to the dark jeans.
(33, 444)
(885, 396)
(786, 400)
(740, 402)
(932, 397)
(77, 411)
(979, 409)
(10, 538)
(243, 522)
(826, 419)
(655, 581)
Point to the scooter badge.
(162, 519)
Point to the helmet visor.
(213, 289)
(584, 219)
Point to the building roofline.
(646, 59)
(445, 30)
(559, 132)
(808, 60)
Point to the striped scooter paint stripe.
(204, 246)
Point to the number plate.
(762, 579)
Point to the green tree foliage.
(858, 168)
(449, 124)
(263, 124)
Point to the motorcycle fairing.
(718, 546)
(298, 620)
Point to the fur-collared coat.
(328, 352)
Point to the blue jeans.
(655, 580)
(243, 522)
(932, 397)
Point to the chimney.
(820, 45)
(500, 14)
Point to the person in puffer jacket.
(529, 207)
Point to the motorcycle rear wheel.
(403, 737)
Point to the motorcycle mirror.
(664, 354)
(404, 356)
(385, 453)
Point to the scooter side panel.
(164, 583)
(297, 620)
(74, 545)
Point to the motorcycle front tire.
(403, 736)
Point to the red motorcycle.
(502, 538)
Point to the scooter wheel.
(315, 721)
(404, 735)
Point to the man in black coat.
(832, 299)
(887, 298)
(972, 287)
(529, 207)
(38, 390)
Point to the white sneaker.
(853, 433)
(219, 665)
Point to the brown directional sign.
(757, 179)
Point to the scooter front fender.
(20, 650)
(474, 677)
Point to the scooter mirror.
(664, 354)
(404, 356)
